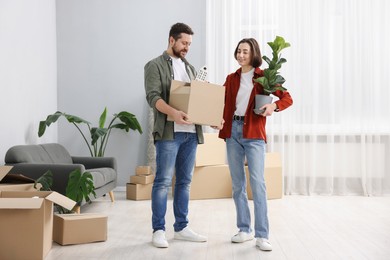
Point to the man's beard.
(178, 53)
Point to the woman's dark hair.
(179, 28)
(256, 59)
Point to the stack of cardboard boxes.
(140, 186)
(211, 178)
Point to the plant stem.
(85, 139)
(104, 142)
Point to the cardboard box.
(143, 170)
(69, 229)
(212, 152)
(142, 179)
(202, 102)
(138, 191)
(15, 182)
(272, 175)
(26, 222)
(210, 182)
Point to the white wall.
(28, 71)
(102, 49)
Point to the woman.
(244, 132)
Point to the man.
(175, 142)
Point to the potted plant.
(272, 80)
(99, 135)
(80, 187)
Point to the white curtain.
(335, 139)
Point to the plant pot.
(261, 100)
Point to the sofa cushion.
(57, 153)
(102, 176)
(44, 153)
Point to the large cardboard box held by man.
(203, 102)
(26, 223)
(15, 182)
(71, 229)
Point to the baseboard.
(120, 188)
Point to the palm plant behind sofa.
(99, 135)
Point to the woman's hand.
(220, 126)
(269, 109)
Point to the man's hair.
(256, 60)
(178, 28)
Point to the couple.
(176, 142)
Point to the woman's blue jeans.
(254, 150)
(171, 155)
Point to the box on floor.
(139, 191)
(15, 182)
(142, 179)
(69, 229)
(212, 152)
(143, 170)
(203, 102)
(26, 222)
(272, 175)
(210, 182)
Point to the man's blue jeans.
(254, 150)
(174, 154)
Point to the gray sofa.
(34, 160)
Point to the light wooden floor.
(301, 227)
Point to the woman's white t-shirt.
(244, 92)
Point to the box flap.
(16, 178)
(4, 170)
(61, 200)
(21, 203)
(80, 216)
(176, 84)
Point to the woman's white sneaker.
(242, 237)
(263, 244)
(159, 239)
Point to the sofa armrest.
(96, 162)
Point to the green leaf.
(279, 80)
(97, 133)
(267, 59)
(130, 120)
(75, 119)
(49, 120)
(80, 186)
(46, 180)
(103, 117)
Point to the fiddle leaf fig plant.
(99, 136)
(272, 80)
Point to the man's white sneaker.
(242, 237)
(159, 239)
(189, 235)
(263, 244)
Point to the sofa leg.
(111, 193)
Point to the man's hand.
(180, 118)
